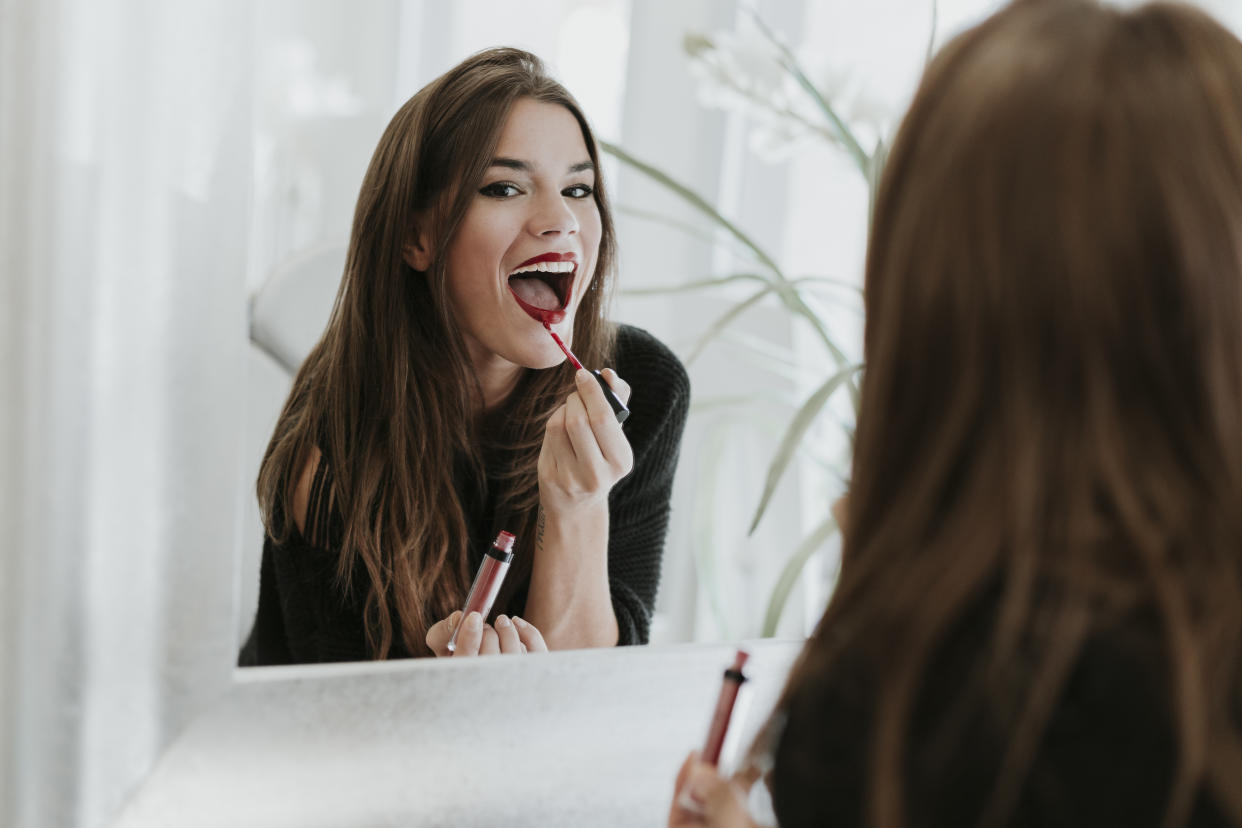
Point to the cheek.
(592, 231)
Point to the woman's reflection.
(436, 410)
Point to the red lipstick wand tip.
(564, 348)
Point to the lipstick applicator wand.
(618, 407)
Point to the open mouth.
(542, 286)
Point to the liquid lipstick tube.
(733, 679)
(487, 582)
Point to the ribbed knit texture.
(302, 617)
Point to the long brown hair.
(1051, 418)
(388, 394)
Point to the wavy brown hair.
(1048, 454)
(388, 395)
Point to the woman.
(436, 410)
(1039, 615)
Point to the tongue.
(535, 292)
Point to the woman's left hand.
(584, 450)
(477, 637)
(703, 797)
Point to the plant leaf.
(703, 405)
(793, 436)
(931, 38)
(791, 65)
(693, 199)
(794, 301)
(792, 569)
(723, 322)
(698, 284)
(829, 281)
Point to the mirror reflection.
(737, 161)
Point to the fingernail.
(474, 622)
(501, 621)
(582, 375)
(519, 622)
(454, 620)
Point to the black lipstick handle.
(618, 407)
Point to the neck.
(497, 376)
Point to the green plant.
(769, 84)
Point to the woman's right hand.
(508, 636)
(702, 796)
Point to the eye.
(500, 189)
(578, 191)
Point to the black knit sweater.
(302, 616)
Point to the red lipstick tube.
(733, 679)
(487, 582)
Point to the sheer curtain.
(124, 219)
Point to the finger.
(441, 632)
(684, 772)
(685, 810)
(619, 386)
(579, 429)
(598, 409)
(607, 440)
(724, 803)
(491, 643)
(507, 635)
(530, 636)
(471, 636)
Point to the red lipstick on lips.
(542, 295)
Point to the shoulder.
(650, 367)
(305, 487)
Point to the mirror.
(694, 107)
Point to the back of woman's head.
(1050, 420)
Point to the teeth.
(546, 267)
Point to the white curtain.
(124, 221)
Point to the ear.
(417, 251)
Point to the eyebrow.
(522, 166)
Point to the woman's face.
(536, 202)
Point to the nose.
(553, 216)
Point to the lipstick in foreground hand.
(733, 679)
(486, 583)
(618, 407)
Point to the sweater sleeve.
(639, 504)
